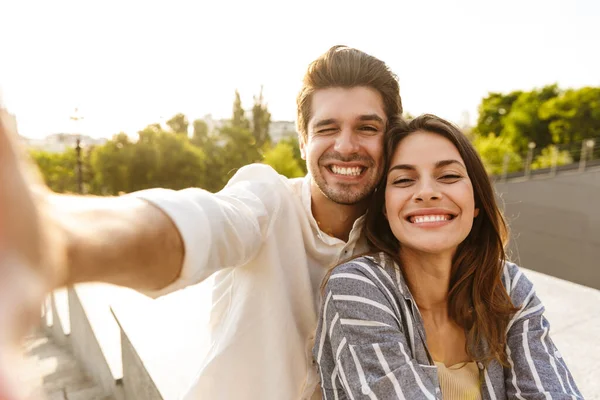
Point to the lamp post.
(587, 147)
(529, 160)
(76, 118)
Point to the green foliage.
(261, 118)
(544, 116)
(492, 111)
(493, 151)
(238, 119)
(281, 158)
(200, 135)
(292, 141)
(179, 124)
(110, 163)
(523, 123)
(59, 170)
(550, 156)
(574, 116)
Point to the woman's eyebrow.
(439, 164)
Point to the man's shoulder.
(264, 176)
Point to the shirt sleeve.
(536, 368)
(361, 348)
(224, 229)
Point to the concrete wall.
(137, 382)
(555, 224)
(87, 350)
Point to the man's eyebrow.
(439, 164)
(324, 122)
(364, 117)
(371, 117)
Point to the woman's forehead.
(424, 148)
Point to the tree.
(111, 163)
(261, 118)
(200, 135)
(238, 149)
(179, 124)
(281, 158)
(239, 120)
(492, 111)
(292, 141)
(550, 156)
(493, 150)
(573, 116)
(59, 170)
(523, 123)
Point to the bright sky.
(128, 63)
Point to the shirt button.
(557, 354)
(365, 390)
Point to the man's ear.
(302, 144)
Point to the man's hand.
(30, 252)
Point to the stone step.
(51, 369)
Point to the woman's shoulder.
(517, 285)
(375, 269)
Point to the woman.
(436, 311)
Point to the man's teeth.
(429, 218)
(352, 171)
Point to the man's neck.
(335, 219)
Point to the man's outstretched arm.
(122, 240)
(69, 239)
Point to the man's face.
(344, 149)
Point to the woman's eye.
(450, 177)
(403, 181)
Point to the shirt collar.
(307, 203)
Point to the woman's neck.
(428, 278)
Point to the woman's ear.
(476, 213)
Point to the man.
(269, 239)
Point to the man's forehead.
(346, 105)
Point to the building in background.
(277, 129)
(60, 142)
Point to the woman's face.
(429, 199)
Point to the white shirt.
(259, 234)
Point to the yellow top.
(460, 381)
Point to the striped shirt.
(371, 343)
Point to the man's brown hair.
(345, 67)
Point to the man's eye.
(326, 131)
(369, 128)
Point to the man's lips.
(346, 170)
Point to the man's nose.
(346, 142)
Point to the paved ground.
(52, 370)
(574, 314)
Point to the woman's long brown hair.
(477, 299)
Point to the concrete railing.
(129, 345)
(94, 337)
